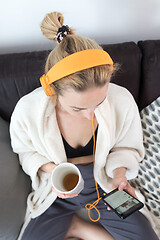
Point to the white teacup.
(66, 178)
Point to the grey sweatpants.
(55, 221)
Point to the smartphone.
(122, 203)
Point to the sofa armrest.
(14, 188)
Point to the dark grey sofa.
(19, 75)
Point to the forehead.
(86, 99)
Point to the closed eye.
(80, 109)
(76, 110)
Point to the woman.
(55, 126)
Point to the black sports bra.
(79, 151)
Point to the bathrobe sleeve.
(22, 132)
(127, 149)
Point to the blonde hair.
(71, 43)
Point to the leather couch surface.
(19, 75)
(150, 80)
(129, 57)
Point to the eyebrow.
(86, 108)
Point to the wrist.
(48, 167)
(119, 172)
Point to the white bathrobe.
(35, 136)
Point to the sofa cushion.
(14, 188)
(148, 180)
(150, 88)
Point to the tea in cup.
(66, 178)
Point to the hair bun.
(50, 25)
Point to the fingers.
(122, 185)
(126, 186)
(119, 182)
(130, 190)
(63, 195)
(108, 208)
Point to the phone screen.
(122, 202)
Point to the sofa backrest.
(150, 80)
(129, 56)
(19, 75)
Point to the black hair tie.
(62, 32)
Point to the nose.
(89, 114)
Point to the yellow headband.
(74, 63)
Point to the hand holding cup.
(67, 181)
